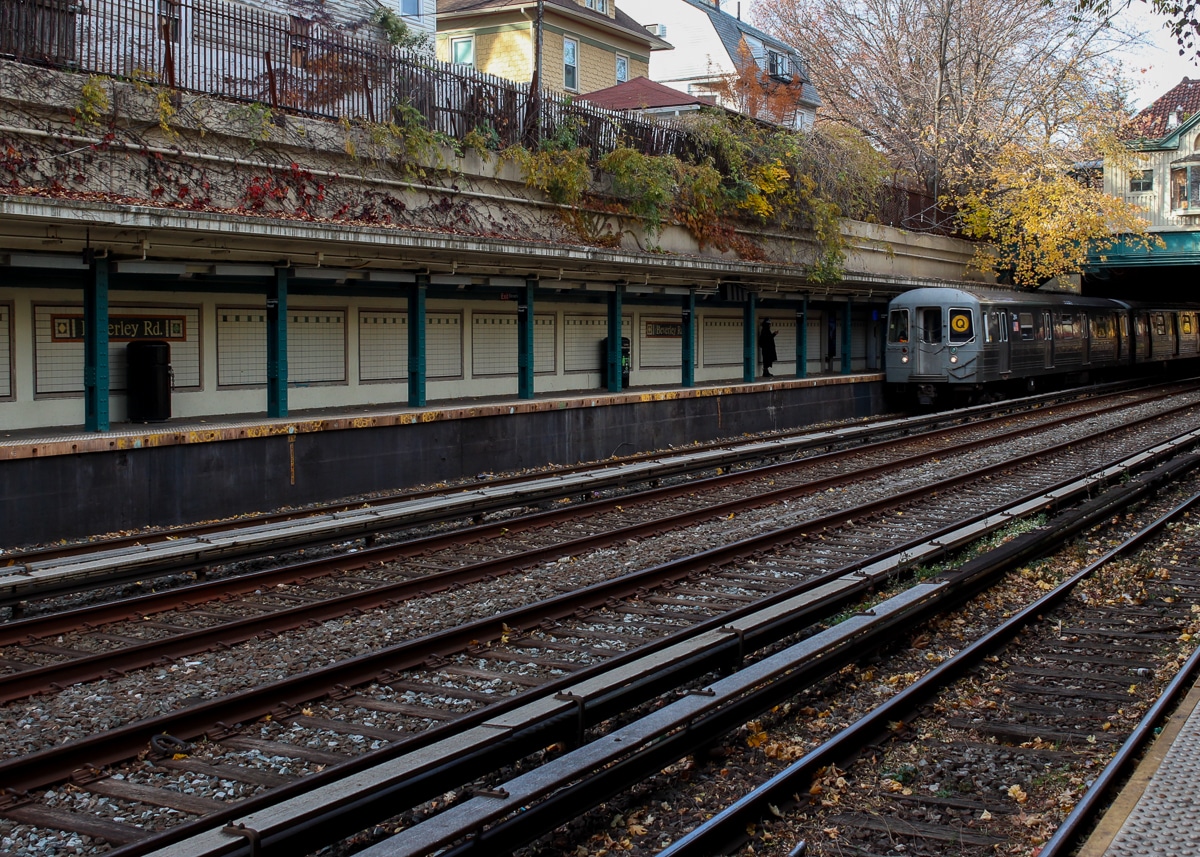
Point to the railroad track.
(59, 570)
(390, 707)
(51, 651)
(1014, 741)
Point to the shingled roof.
(1168, 112)
(730, 30)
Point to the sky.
(1155, 65)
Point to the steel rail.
(718, 835)
(387, 791)
(40, 679)
(536, 802)
(23, 556)
(105, 567)
(55, 763)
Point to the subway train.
(956, 346)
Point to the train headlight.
(904, 359)
(953, 358)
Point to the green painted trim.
(613, 354)
(687, 375)
(277, 356)
(749, 338)
(417, 293)
(802, 339)
(525, 355)
(1182, 248)
(95, 348)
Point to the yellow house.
(586, 45)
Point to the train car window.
(962, 325)
(931, 325)
(988, 325)
(1066, 327)
(1160, 324)
(1082, 325)
(898, 326)
(1001, 327)
(1024, 322)
(1185, 322)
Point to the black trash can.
(148, 384)
(625, 360)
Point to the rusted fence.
(303, 66)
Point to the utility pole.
(535, 85)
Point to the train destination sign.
(122, 328)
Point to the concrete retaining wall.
(53, 496)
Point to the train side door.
(928, 352)
(1048, 339)
(1145, 348)
(1003, 357)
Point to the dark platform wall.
(66, 496)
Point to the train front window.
(962, 325)
(931, 325)
(898, 326)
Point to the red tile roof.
(1182, 102)
(642, 93)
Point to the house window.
(1141, 181)
(1185, 188)
(622, 68)
(410, 8)
(168, 20)
(462, 50)
(570, 63)
(777, 65)
(599, 5)
(299, 40)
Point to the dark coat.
(766, 341)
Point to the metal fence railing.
(296, 64)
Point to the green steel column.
(802, 339)
(613, 355)
(525, 341)
(95, 348)
(688, 358)
(846, 340)
(749, 338)
(277, 361)
(416, 341)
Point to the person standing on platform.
(766, 343)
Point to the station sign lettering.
(122, 328)
(664, 329)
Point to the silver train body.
(959, 346)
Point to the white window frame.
(567, 67)
(1185, 195)
(1141, 181)
(459, 40)
(622, 58)
(778, 64)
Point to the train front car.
(934, 348)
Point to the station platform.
(1157, 814)
(66, 482)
